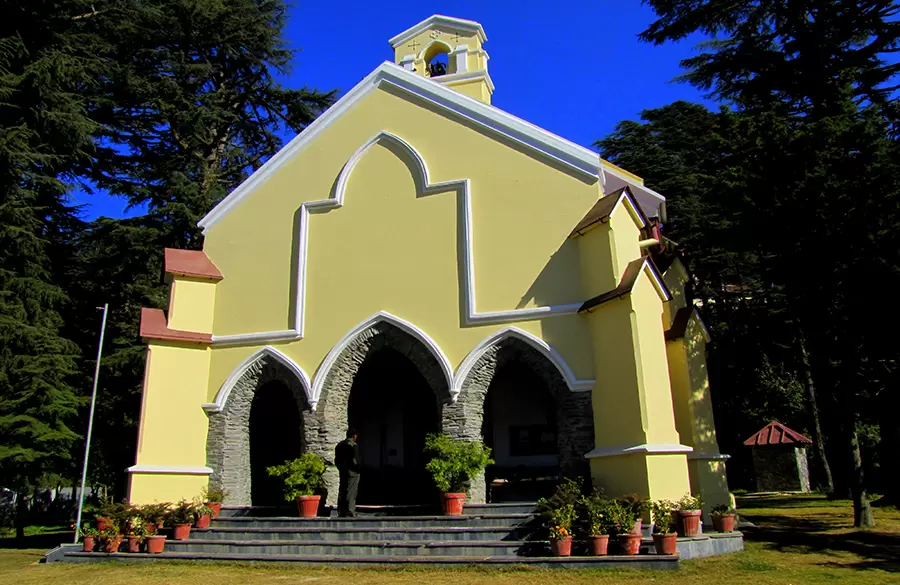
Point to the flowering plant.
(559, 532)
(596, 514)
(662, 516)
(689, 502)
(87, 530)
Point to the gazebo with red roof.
(779, 458)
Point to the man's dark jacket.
(346, 457)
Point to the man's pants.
(347, 494)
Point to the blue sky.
(575, 68)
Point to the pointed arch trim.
(465, 368)
(379, 317)
(267, 351)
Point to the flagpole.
(87, 441)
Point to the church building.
(417, 260)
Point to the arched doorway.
(393, 408)
(515, 399)
(276, 435)
(263, 419)
(520, 427)
(393, 384)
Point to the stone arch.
(335, 378)
(228, 440)
(574, 412)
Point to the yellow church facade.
(415, 261)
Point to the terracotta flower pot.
(88, 544)
(630, 543)
(598, 545)
(666, 544)
(453, 503)
(155, 543)
(134, 544)
(689, 522)
(216, 508)
(112, 543)
(723, 522)
(561, 547)
(308, 506)
(637, 526)
(202, 521)
(102, 523)
(181, 532)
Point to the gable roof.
(634, 269)
(449, 21)
(605, 207)
(776, 433)
(578, 160)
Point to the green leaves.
(454, 463)
(301, 476)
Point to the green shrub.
(301, 476)
(182, 513)
(689, 502)
(212, 493)
(154, 513)
(454, 463)
(662, 516)
(723, 509)
(621, 517)
(596, 514)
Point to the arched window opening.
(436, 59)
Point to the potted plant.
(561, 520)
(638, 505)
(154, 516)
(596, 519)
(156, 543)
(302, 477)
(664, 537)
(181, 517)
(213, 496)
(135, 536)
(204, 514)
(723, 518)
(111, 537)
(452, 466)
(622, 518)
(88, 537)
(689, 511)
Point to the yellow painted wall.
(647, 307)
(654, 476)
(173, 425)
(191, 304)
(389, 249)
(599, 271)
(148, 488)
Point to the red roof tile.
(155, 326)
(191, 263)
(776, 433)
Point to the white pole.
(87, 441)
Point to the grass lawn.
(799, 540)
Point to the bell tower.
(449, 51)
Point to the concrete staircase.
(498, 534)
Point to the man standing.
(346, 458)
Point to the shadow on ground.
(879, 550)
(46, 540)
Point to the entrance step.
(408, 510)
(323, 523)
(354, 548)
(612, 562)
(368, 533)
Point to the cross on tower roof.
(413, 45)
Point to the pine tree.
(45, 135)
(191, 109)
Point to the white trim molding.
(708, 456)
(465, 368)
(170, 469)
(228, 385)
(381, 316)
(645, 448)
(452, 79)
(423, 181)
(439, 19)
(578, 159)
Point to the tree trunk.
(21, 514)
(862, 510)
(818, 438)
